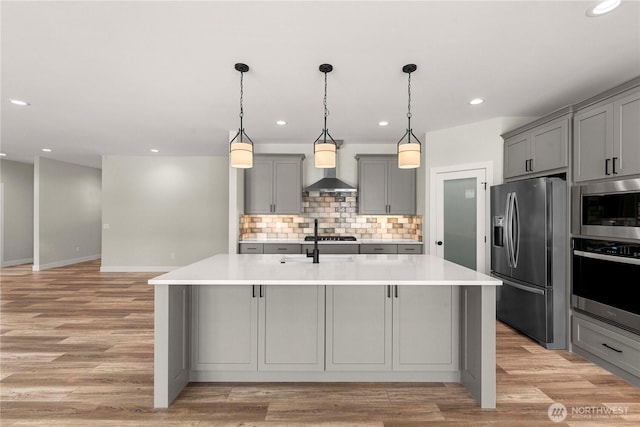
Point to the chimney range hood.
(331, 184)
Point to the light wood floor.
(77, 350)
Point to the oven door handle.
(604, 257)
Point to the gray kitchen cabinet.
(378, 248)
(409, 248)
(332, 249)
(291, 335)
(225, 328)
(606, 135)
(358, 328)
(539, 147)
(615, 349)
(281, 248)
(274, 184)
(248, 330)
(251, 248)
(385, 189)
(391, 328)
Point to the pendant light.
(324, 150)
(409, 151)
(241, 146)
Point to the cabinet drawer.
(328, 248)
(281, 248)
(409, 248)
(615, 348)
(251, 248)
(371, 248)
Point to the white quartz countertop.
(339, 242)
(258, 269)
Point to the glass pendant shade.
(325, 155)
(409, 155)
(241, 155)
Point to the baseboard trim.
(13, 262)
(137, 269)
(64, 262)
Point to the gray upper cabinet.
(385, 189)
(606, 137)
(539, 147)
(274, 185)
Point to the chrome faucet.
(315, 254)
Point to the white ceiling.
(122, 77)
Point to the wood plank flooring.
(76, 349)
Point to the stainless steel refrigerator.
(528, 253)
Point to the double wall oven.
(606, 251)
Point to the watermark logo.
(557, 412)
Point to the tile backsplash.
(337, 216)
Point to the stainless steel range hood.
(331, 184)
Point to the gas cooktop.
(331, 238)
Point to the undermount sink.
(323, 259)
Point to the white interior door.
(458, 200)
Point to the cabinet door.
(372, 183)
(401, 189)
(225, 327)
(549, 146)
(258, 185)
(626, 148)
(516, 155)
(291, 334)
(287, 186)
(593, 141)
(423, 328)
(358, 328)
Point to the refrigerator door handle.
(515, 248)
(507, 229)
(525, 288)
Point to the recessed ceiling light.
(3, 154)
(19, 102)
(383, 123)
(604, 6)
(281, 123)
(46, 150)
(155, 150)
(476, 101)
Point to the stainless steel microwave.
(607, 209)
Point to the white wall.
(67, 208)
(163, 212)
(17, 213)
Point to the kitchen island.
(254, 318)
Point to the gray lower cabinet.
(274, 185)
(542, 146)
(383, 188)
(333, 249)
(613, 348)
(281, 248)
(398, 328)
(606, 136)
(249, 328)
(251, 248)
(378, 248)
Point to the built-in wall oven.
(606, 281)
(607, 209)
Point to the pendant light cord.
(409, 108)
(326, 110)
(241, 107)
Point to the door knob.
(439, 242)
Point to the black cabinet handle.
(439, 242)
(396, 291)
(611, 348)
(613, 166)
(388, 291)
(606, 166)
(260, 291)
(282, 249)
(253, 291)
(378, 249)
(530, 165)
